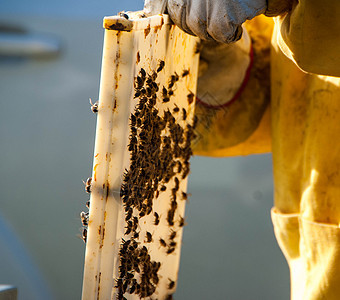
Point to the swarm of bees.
(159, 154)
(84, 216)
(156, 159)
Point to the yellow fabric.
(305, 114)
(306, 153)
(310, 34)
(313, 255)
(305, 129)
(243, 127)
(257, 143)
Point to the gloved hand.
(229, 72)
(218, 20)
(223, 71)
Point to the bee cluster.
(159, 158)
(84, 216)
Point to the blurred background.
(47, 136)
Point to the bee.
(149, 210)
(161, 66)
(170, 250)
(156, 218)
(137, 94)
(174, 203)
(125, 244)
(155, 278)
(149, 80)
(166, 99)
(153, 76)
(170, 92)
(84, 235)
(84, 218)
(171, 284)
(149, 92)
(156, 266)
(133, 286)
(88, 204)
(142, 73)
(119, 284)
(164, 92)
(155, 86)
(176, 183)
(128, 227)
(172, 81)
(143, 251)
(181, 221)
(133, 140)
(172, 244)
(173, 235)
(139, 82)
(163, 188)
(137, 114)
(88, 185)
(148, 237)
(170, 218)
(133, 120)
(185, 73)
(133, 131)
(135, 223)
(184, 196)
(123, 15)
(190, 97)
(184, 114)
(128, 266)
(94, 107)
(176, 109)
(133, 245)
(162, 242)
(136, 267)
(142, 135)
(185, 172)
(140, 92)
(128, 214)
(122, 251)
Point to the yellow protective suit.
(301, 127)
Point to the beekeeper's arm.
(233, 94)
(308, 33)
(306, 156)
(234, 84)
(305, 125)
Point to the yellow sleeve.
(306, 160)
(243, 127)
(309, 35)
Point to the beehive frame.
(141, 159)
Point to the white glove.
(224, 71)
(218, 20)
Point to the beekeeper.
(266, 87)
